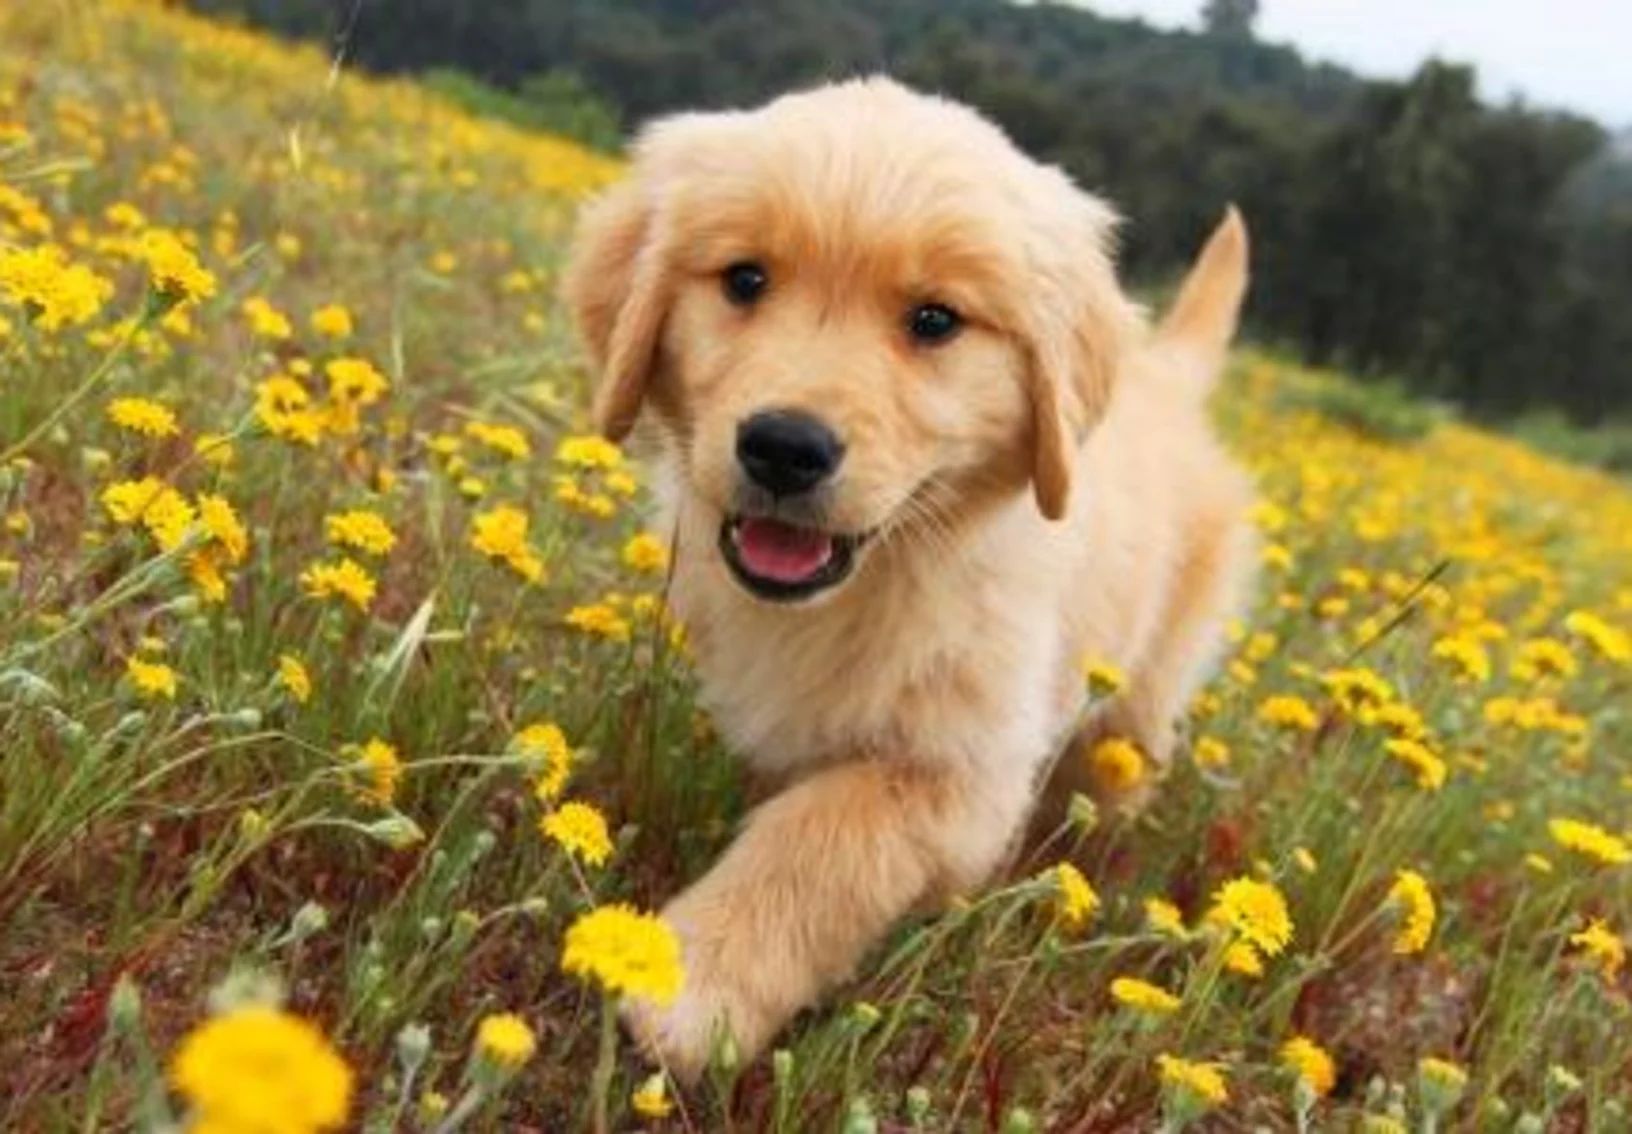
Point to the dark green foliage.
(1400, 228)
(1383, 410)
(556, 101)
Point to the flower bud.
(918, 1104)
(396, 831)
(310, 919)
(1019, 1121)
(859, 1118)
(125, 1005)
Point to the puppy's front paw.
(682, 1036)
(715, 1005)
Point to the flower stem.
(606, 1063)
(66, 406)
(601, 1085)
(466, 1107)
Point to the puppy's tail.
(1194, 337)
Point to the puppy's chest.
(892, 680)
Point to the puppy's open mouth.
(785, 562)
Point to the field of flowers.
(344, 738)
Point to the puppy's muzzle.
(777, 544)
(787, 452)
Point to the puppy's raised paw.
(702, 1024)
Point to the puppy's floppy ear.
(1077, 341)
(617, 286)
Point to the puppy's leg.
(818, 876)
(1206, 589)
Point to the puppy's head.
(855, 312)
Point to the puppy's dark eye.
(744, 282)
(933, 322)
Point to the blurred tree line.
(1484, 253)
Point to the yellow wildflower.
(1102, 677)
(292, 676)
(588, 452)
(505, 439)
(361, 530)
(1539, 863)
(355, 382)
(593, 504)
(143, 415)
(177, 275)
(505, 1040)
(281, 406)
(1288, 712)
(626, 953)
(650, 1099)
(266, 321)
(1442, 1083)
(501, 533)
(599, 620)
(216, 449)
(646, 554)
(1604, 946)
(548, 742)
(1467, 654)
(379, 762)
(1590, 841)
(1142, 996)
(224, 527)
(1542, 658)
(1211, 753)
(1116, 765)
(621, 483)
(152, 679)
(1243, 960)
(123, 214)
(204, 569)
(345, 579)
(1415, 901)
(1201, 1084)
(52, 292)
(578, 829)
(240, 1069)
(1077, 901)
(162, 510)
(1429, 770)
(332, 320)
(1611, 642)
(1357, 689)
(1396, 717)
(1255, 910)
(1164, 917)
(1311, 1063)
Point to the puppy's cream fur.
(1043, 488)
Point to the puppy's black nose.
(786, 452)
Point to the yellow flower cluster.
(501, 533)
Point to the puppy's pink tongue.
(774, 550)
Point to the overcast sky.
(1571, 53)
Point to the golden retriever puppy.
(921, 457)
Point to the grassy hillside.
(328, 641)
